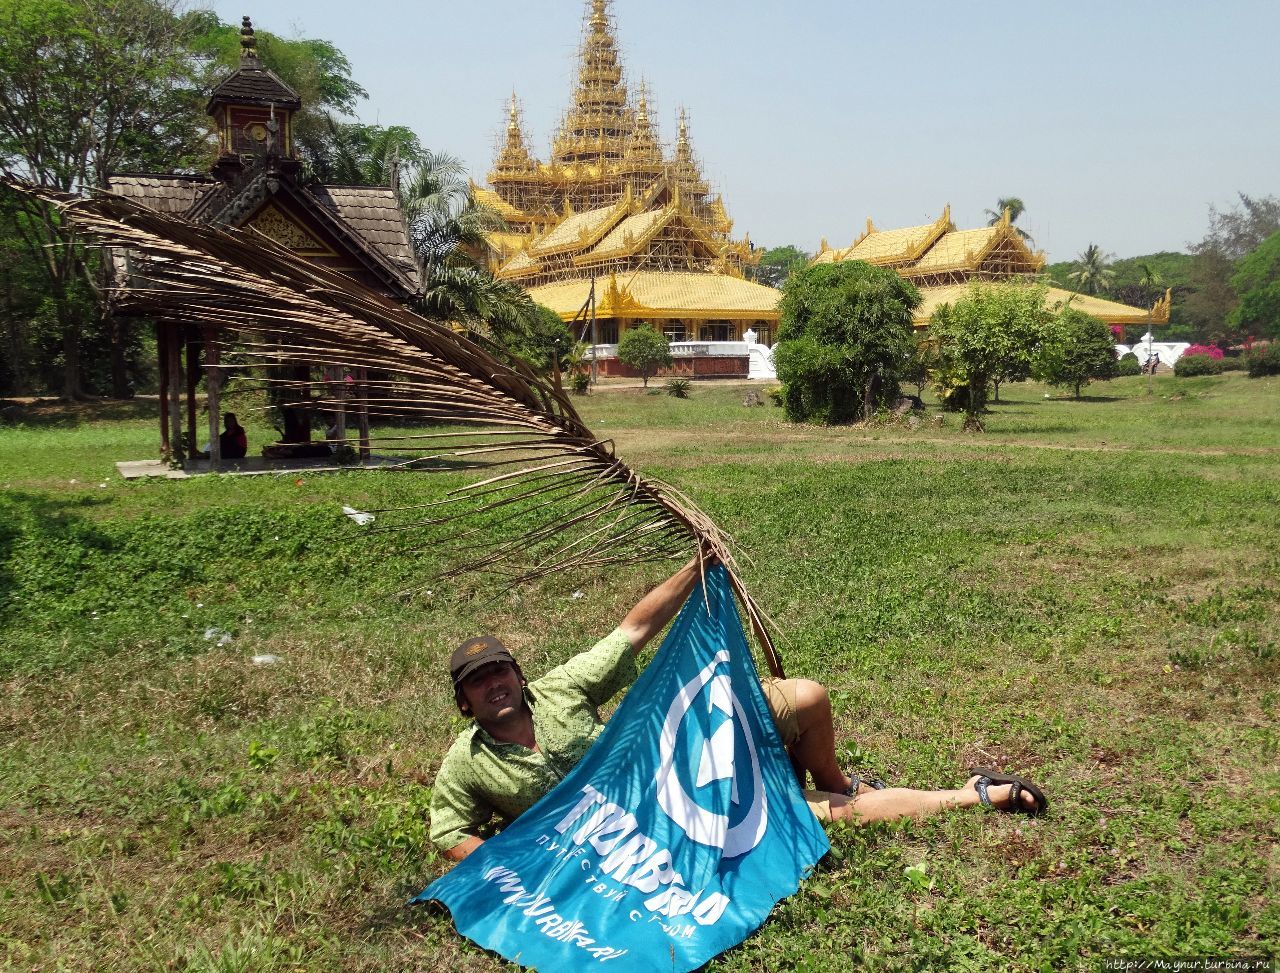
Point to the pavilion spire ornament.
(248, 44)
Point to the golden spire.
(599, 122)
(513, 158)
(685, 171)
(643, 151)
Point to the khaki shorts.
(780, 696)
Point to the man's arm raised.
(660, 605)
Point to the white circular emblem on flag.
(726, 752)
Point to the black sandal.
(875, 783)
(988, 777)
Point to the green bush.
(1233, 363)
(678, 388)
(581, 382)
(1264, 360)
(1128, 365)
(1189, 366)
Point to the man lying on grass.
(528, 735)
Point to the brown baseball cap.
(474, 653)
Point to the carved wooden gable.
(273, 222)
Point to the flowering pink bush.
(1118, 331)
(1210, 351)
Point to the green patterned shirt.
(481, 778)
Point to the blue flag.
(671, 839)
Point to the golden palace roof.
(1112, 312)
(958, 249)
(578, 231)
(937, 253)
(664, 295)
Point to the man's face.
(493, 692)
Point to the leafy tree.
(1093, 273)
(1231, 236)
(1074, 350)
(1150, 279)
(1016, 208)
(779, 263)
(644, 349)
(547, 341)
(921, 365)
(845, 340)
(987, 337)
(1257, 285)
(85, 86)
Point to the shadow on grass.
(61, 414)
(47, 523)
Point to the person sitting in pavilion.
(527, 735)
(234, 442)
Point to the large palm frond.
(576, 503)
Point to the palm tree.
(1093, 273)
(1150, 280)
(1016, 208)
(353, 154)
(447, 228)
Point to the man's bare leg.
(815, 750)
(895, 803)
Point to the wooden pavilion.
(256, 183)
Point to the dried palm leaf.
(555, 498)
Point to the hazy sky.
(1116, 121)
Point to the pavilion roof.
(367, 218)
(161, 192)
(895, 246)
(374, 213)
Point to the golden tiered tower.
(612, 213)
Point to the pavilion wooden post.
(162, 369)
(173, 354)
(213, 385)
(362, 411)
(340, 378)
(192, 345)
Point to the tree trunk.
(996, 386)
(119, 328)
(72, 387)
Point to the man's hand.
(660, 605)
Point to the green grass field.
(1086, 593)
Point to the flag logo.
(716, 813)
